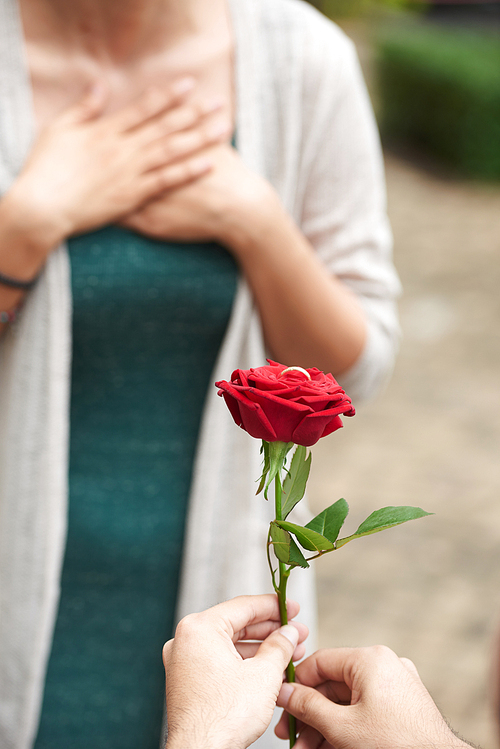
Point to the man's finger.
(329, 665)
(257, 631)
(167, 648)
(279, 647)
(310, 738)
(281, 727)
(263, 629)
(411, 667)
(240, 612)
(311, 707)
(336, 691)
(249, 650)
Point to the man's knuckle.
(187, 625)
(408, 662)
(302, 701)
(381, 652)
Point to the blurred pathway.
(430, 589)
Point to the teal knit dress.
(149, 318)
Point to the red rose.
(285, 404)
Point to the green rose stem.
(319, 536)
(284, 574)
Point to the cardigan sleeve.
(343, 208)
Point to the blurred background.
(429, 589)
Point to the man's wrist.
(190, 740)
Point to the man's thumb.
(309, 706)
(279, 646)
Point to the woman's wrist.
(246, 222)
(267, 237)
(26, 237)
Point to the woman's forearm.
(309, 318)
(26, 240)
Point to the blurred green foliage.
(439, 88)
(337, 9)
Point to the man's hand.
(363, 698)
(221, 687)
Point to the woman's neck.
(115, 30)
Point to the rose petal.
(317, 402)
(314, 426)
(284, 415)
(335, 424)
(246, 413)
(256, 423)
(233, 407)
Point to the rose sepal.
(274, 460)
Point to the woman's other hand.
(221, 688)
(209, 209)
(88, 169)
(299, 302)
(363, 698)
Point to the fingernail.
(290, 633)
(184, 85)
(285, 694)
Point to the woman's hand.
(88, 169)
(309, 318)
(363, 698)
(221, 689)
(212, 208)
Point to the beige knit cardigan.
(304, 121)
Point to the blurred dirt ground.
(429, 589)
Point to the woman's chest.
(60, 76)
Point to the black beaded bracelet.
(16, 283)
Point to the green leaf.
(330, 521)
(387, 517)
(297, 559)
(294, 485)
(285, 547)
(307, 538)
